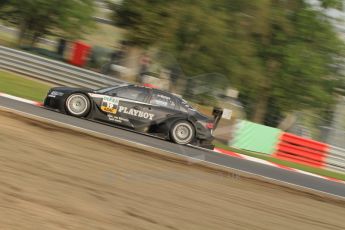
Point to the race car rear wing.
(217, 114)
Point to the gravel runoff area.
(54, 178)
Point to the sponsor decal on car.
(110, 104)
(117, 119)
(136, 113)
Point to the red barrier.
(298, 159)
(150, 85)
(301, 150)
(288, 137)
(79, 53)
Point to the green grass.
(322, 172)
(22, 87)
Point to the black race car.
(138, 108)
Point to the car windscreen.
(106, 89)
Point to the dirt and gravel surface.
(51, 178)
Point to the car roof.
(176, 96)
(153, 89)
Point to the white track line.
(20, 99)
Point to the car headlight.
(55, 93)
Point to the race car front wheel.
(78, 105)
(182, 132)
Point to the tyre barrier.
(255, 137)
(286, 146)
(301, 150)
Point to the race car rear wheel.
(182, 132)
(78, 105)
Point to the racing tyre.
(78, 105)
(182, 132)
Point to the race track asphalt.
(302, 180)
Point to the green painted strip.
(255, 137)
